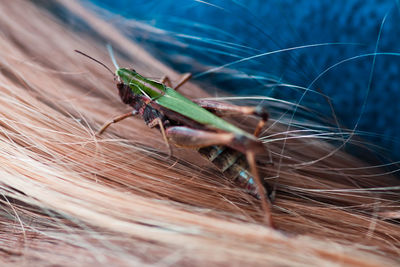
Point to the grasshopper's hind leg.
(222, 109)
(116, 119)
(188, 137)
(265, 203)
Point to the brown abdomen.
(233, 165)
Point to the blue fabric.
(350, 27)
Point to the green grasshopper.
(195, 124)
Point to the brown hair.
(70, 197)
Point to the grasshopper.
(196, 124)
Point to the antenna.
(95, 60)
(110, 51)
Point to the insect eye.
(132, 70)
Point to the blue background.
(221, 32)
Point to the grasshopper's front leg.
(222, 109)
(192, 138)
(117, 119)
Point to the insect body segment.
(233, 165)
(141, 104)
(141, 85)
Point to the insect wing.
(176, 102)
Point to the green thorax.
(172, 100)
